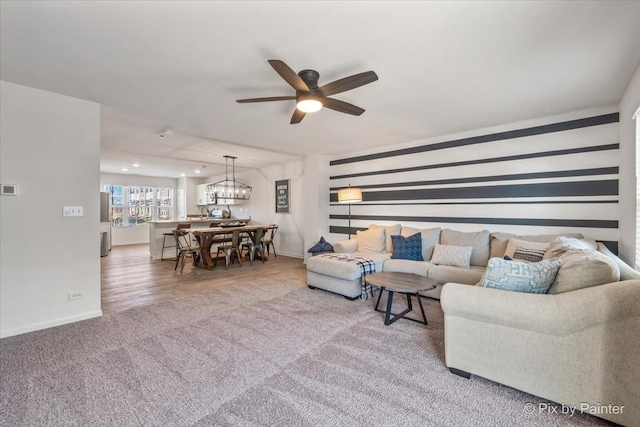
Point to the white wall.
(50, 148)
(135, 235)
(560, 175)
(316, 194)
(191, 195)
(262, 208)
(628, 106)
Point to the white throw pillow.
(371, 241)
(525, 251)
(563, 244)
(391, 230)
(455, 256)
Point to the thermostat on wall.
(9, 189)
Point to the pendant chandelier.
(230, 190)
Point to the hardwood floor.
(130, 278)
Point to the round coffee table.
(404, 283)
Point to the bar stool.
(180, 226)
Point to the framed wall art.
(283, 195)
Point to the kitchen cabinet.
(206, 196)
(202, 197)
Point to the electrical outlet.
(72, 211)
(74, 295)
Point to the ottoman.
(340, 277)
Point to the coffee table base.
(390, 317)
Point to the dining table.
(209, 236)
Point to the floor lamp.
(349, 195)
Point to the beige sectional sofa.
(579, 347)
(345, 279)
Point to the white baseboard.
(291, 255)
(49, 324)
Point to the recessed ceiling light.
(197, 171)
(124, 169)
(183, 174)
(135, 165)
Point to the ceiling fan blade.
(289, 75)
(271, 98)
(297, 116)
(343, 107)
(349, 83)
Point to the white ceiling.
(444, 67)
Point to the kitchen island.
(158, 228)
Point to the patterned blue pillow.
(533, 278)
(407, 247)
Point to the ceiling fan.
(311, 98)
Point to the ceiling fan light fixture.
(309, 103)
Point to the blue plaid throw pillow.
(407, 247)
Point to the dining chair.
(180, 226)
(229, 249)
(268, 239)
(254, 245)
(185, 248)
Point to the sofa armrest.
(559, 314)
(346, 246)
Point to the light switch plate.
(72, 211)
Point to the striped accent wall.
(553, 178)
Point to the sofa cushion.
(563, 244)
(407, 247)
(533, 278)
(500, 240)
(391, 230)
(526, 251)
(407, 266)
(430, 238)
(371, 241)
(480, 241)
(342, 269)
(583, 268)
(626, 272)
(455, 256)
(446, 274)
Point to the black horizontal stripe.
(345, 230)
(549, 189)
(535, 202)
(552, 153)
(611, 244)
(519, 133)
(548, 222)
(511, 177)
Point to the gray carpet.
(267, 353)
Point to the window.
(136, 206)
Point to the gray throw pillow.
(533, 278)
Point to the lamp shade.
(349, 195)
